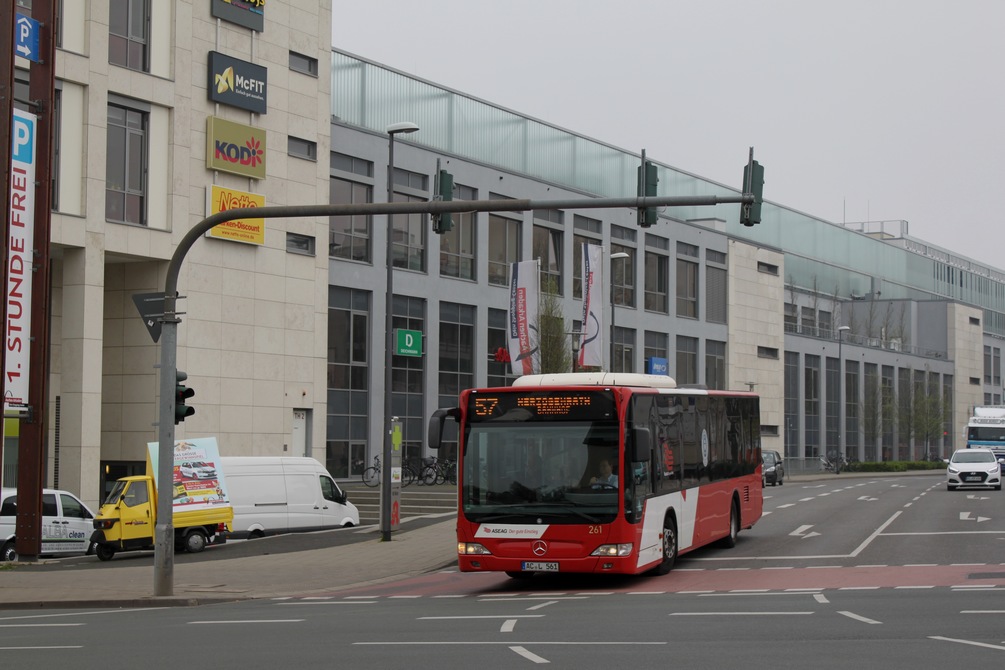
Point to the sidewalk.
(409, 553)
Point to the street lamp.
(616, 256)
(841, 392)
(385, 480)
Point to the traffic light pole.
(164, 535)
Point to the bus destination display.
(538, 405)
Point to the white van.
(66, 524)
(279, 494)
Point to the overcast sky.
(858, 110)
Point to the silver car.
(973, 467)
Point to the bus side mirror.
(434, 435)
(642, 449)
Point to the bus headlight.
(472, 549)
(613, 550)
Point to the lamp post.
(385, 473)
(841, 394)
(616, 256)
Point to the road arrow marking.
(801, 532)
(867, 498)
(965, 516)
(975, 497)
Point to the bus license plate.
(533, 566)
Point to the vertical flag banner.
(523, 290)
(20, 245)
(591, 339)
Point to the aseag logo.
(235, 148)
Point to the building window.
(832, 382)
(303, 64)
(791, 318)
(715, 364)
(623, 276)
(851, 408)
(457, 245)
(656, 346)
(126, 165)
(687, 289)
(300, 244)
(301, 148)
(547, 248)
(715, 294)
(767, 268)
(409, 245)
(457, 352)
(129, 33)
(657, 289)
(791, 383)
(348, 380)
(504, 248)
(811, 401)
(408, 379)
(767, 352)
(809, 322)
(687, 360)
(349, 236)
(499, 372)
(987, 364)
(624, 350)
(824, 320)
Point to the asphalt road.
(870, 572)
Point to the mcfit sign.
(237, 83)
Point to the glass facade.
(372, 96)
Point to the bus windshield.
(986, 433)
(541, 472)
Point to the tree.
(553, 344)
(929, 417)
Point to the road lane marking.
(821, 598)
(739, 613)
(540, 605)
(969, 642)
(77, 646)
(876, 533)
(529, 655)
(248, 621)
(857, 617)
(508, 626)
(37, 625)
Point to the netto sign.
(235, 148)
(237, 83)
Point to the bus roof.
(597, 379)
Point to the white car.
(973, 467)
(66, 524)
(197, 470)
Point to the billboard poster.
(235, 148)
(247, 13)
(221, 199)
(524, 280)
(20, 245)
(591, 340)
(198, 482)
(237, 83)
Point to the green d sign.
(409, 342)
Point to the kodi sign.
(235, 148)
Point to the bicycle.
(372, 475)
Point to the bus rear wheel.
(734, 527)
(669, 547)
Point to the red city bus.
(600, 472)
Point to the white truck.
(986, 428)
(281, 494)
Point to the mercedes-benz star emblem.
(540, 548)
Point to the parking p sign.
(409, 342)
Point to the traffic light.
(181, 394)
(442, 223)
(753, 182)
(648, 180)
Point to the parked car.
(973, 467)
(66, 524)
(772, 468)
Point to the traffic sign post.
(26, 38)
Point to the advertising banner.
(220, 199)
(591, 339)
(198, 482)
(524, 281)
(235, 148)
(238, 83)
(20, 245)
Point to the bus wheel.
(734, 527)
(669, 547)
